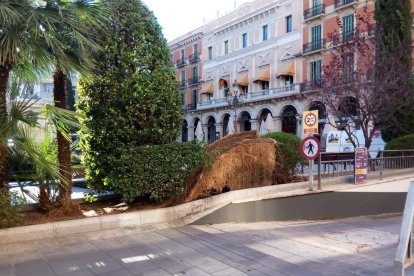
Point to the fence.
(342, 163)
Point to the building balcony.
(180, 62)
(344, 37)
(314, 46)
(194, 58)
(189, 107)
(193, 81)
(342, 4)
(252, 97)
(311, 85)
(314, 12)
(181, 84)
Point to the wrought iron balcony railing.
(314, 46)
(314, 12)
(181, 84)
(193, 81)
(180, 62)
(343, 3)
(194, 58)
(344, 37)
(311, 85)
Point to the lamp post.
(233, 99)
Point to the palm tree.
(41, 33)
(25, 28)
(79, 43)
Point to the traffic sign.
(310, 148)
(310, 122)
(361, 165)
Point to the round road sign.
(310, 119)
(310, 148)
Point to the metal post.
(319, 173)
(382, 164)
(311, 162)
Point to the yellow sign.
(310, 122)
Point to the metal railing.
(181, 84)
(343, 3)
(258, 95)
(193, 81)
(313, 46)
(180, 62)
(344, 37)
(334, 164)
(314, 11)
(403, 255)
(194, 58)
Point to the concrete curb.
(150, 220)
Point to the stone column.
(190, 133)
(278, 123)
(205, 131)
(299, 127)
(255, 125)
(219, 128)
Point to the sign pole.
(311, 162)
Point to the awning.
(223, 80)
(286, 69)
(207, 88)
(243, 79)
(263, 74)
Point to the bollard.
(319, 173)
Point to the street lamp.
(233, 99)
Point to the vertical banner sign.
(361, 165)
(310, 122)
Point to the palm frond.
(24, 143)
(63, 119)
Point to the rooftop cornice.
(249, 18)
(186, 41)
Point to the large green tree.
(26, 27)
(394, 22)
(132, 99)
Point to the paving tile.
(6, 269)
(172, 265)
(100, 263)
(139, 265)
(79, 273)
(156, 272)
(229, 271)
(120, 272)
(193, 272)
(208, 264)
(30, 266)
(47, 272)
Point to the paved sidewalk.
(357, 246)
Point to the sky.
(177, 17)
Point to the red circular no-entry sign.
(310, 119)
(310, 148)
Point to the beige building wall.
(278, 52)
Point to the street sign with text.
(310, 122)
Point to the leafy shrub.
(156, 171)
(9, 205)
(287, 154)
(401, 143)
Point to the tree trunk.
(65, 166)
(4, 77)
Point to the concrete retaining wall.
(132, 222)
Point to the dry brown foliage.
(243, 161)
